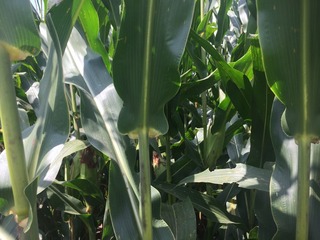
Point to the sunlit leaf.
(100, 107)
(90, 22)
(246, 176)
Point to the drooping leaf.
(100, 107)
(289, 42)
(86, 188)
(283, 185)
(206, 28)
(184, 166)
(100, 103)
(146, 62)
(53, 119)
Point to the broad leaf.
(283, 185)
(18, 34)
(181, 219)
(289, 40)
(100, 107)
(45, 141)
(146, 62)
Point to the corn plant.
(292, 75)
(186, 119)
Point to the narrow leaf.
(204, 203)
(246, 176)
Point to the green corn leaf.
(223, 20)
(283, 184)
(236, 83)
(64, 16)
(44, 142)
(181, 219)
(100, 107)
(146, 63)
(289, 37)
(124, 218)
(244, 175)
(208, 205)
(18, 32)
(90, 22)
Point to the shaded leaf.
(181, 219)
(235, 82)
(223, 20)
(151, 60)
(289, 42)
(124, 216)
(204, 203)
(18, 34)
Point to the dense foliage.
(173, 94)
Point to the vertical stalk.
(168, 166)
(204, 94)
(145, 189)
(168, 159)
(74, 112)
(67, 163)
(12, 137)
(302, 224)
(144, 160)
(210, 224)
